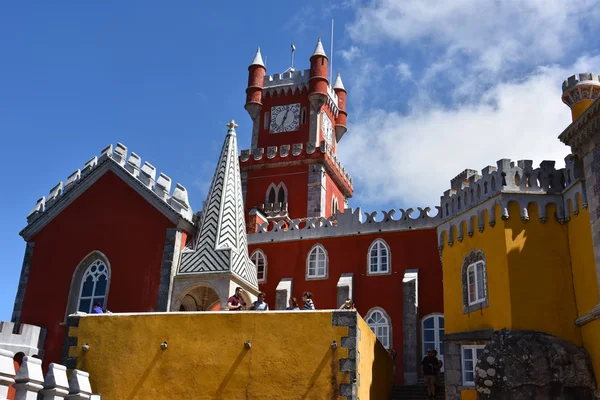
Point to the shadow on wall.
(382, 381)
(329, 356)
(144, 376)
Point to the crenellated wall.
(473, 196)
(297, 151)
(26, 339)
(350, 222)
(145, 174)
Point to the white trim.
(474, 347)
(316, 276)
(259, 252)
(473, 267)
(389, 324)
(334, 204)
(389, 258)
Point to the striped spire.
(220, 244)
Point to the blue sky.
(433, 88)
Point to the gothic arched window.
(271, 196)
(276, 193)
(380, 324)
(334, 206)
(379, 258)
(260, 260)
(90, 284)
(317, 263)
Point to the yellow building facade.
(519, 261)
(225, 355)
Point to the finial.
(258, 58)
(231, 125)
(319, 50)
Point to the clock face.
(327, 127)
(285, 118)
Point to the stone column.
(283, 293)
(7, 372)
(344, 288)
(29, 379)
(171, 251)
(316, 190)
(410, 322)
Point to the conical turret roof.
(319, 50)
(258, 59)
(338, 82)
(220, 244)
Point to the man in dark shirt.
(430, 364)
(235, 302)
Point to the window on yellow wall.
(476, 282)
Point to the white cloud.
(483, 83)
(410, 159)
(351, 53)
(493, 34)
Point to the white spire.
(258, 59)
(220, 244)
(338, 82)
(319, 50)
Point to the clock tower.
(291, 169)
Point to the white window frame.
(256, 254)
(379, 271)
(95, 277)
(387, 326)
(474, 348)
(334, 205)
(478, 284)
(317, 248)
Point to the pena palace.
(503, 278)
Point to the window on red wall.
(317, 263)
(379, 258)
(260, 260)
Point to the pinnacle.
(338, 82)
(319, 50)
(258, 59)
(231, 125)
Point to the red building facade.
(115, 232)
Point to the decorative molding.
(350, 222)
(583, 133)
(471, 258)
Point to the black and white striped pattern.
(220, 244)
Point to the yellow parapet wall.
(290, 355)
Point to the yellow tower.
(579, 91)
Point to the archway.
(200, 298)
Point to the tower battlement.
(579, 91)
(471, 188)
(283, 153)
(580, 79)
(22, 338)
(350, 222)
(145, 174)
(294, 77)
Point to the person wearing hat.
(430, 366)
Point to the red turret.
(319, 65)
(340, 121)
(256, 75)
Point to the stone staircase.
(417, 391)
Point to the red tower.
(291, 169)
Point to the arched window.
(90, 284)
(316, 263)
(260, 260)
(334, 205)
(432, 334)
(474, 282)
(93, 287)
(380, 324)
(379, 258)
(276, 193)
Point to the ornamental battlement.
(294, 77)
(350, 222)
(145, 174)
(471, 188)
(472, 195)
(26, 339)
(286, 152)
(580, 87)
(579, 79)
